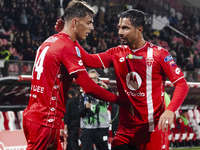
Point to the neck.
(138, 44)
(70, 32)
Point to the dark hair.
(72, 92)
(78, 9)
(137, 17)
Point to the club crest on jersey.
(168, 58)
(130, 56)
(80, 62)
(149, 61)
(78, 51)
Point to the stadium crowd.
(24, 25)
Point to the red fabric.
(56, 59)
(180, 92)
(41, 137)
(143, 139)
(135, 68)
(140, 76)
(92, 88)
(92, 61)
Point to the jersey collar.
(135, 50)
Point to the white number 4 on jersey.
(39, 60)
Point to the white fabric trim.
(101, 61)
(149, 91)
(77, 71)
(135, 50)
(178, 79)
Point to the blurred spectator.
(23, 20)
(4, 54)
(190, 78)
(72, 120)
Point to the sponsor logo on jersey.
(172, 63)
(168, 58)
(149, 62)
(177, 71)
(121, 59)
(163, 146)
(80, 62)
(78, 51)
(133, 81)
(134, 94)
(37, 88)
(130, 56)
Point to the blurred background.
(172, 24)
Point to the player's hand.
(59, 25)
(165, 121)
(88, 105)
(63, 137)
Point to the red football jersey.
(56, 59)
(140, 76)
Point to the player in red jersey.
(58, 61)
(141, 69)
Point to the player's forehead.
(92, 74)
(124, 22)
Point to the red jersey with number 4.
(56, 59)
(141, 76)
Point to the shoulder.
(119, 49)
(159, 52)
(156, 48)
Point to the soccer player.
(58, 61)
(141, 69)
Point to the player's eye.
(124, 27)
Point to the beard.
(124, 42)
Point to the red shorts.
(141, 138)
(40, 137)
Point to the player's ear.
(74, 22)
(140, 29)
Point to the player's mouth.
(123, 40)
(87, 33)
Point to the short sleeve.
(71, 59)
(169, 66)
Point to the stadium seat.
(1, 121)
(20, 119)
(175, 132)
(10, 122)
(197, 119)
(192, 126)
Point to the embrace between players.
(141, 69)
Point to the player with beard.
(58, 61)
(141, 69)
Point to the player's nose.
(120, 32)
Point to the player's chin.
(84, 37)
(124, 42)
